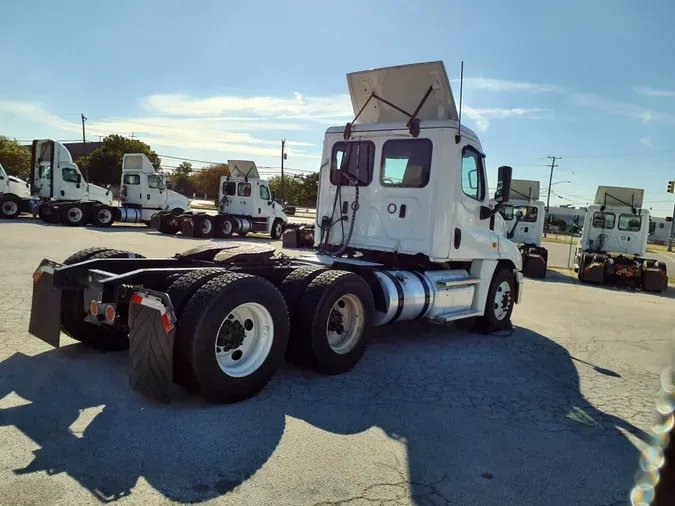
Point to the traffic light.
(671, 186)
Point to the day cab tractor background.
(405, 231)
(613, 242)
(524, 215)
(245, 205)
(15, 197)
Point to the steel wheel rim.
(104, 216)
(9, 207)
(227, 227)
(244, 339)
(206, 227)
(502, 300)
(278, 229)
(349, 311)
(75, 214)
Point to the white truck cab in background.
(524, 215)
(70, 200)
(614, 241)
(15, 196)
(245, 205)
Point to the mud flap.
(594, 272)
(187, 227)
(45, 311)
(654, 280)
(534, 266)
(151, 336)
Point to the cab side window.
(244, 190)
(230, 188)
(473, 175)
(264, 193)
(153, 181)
(69, 175)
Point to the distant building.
(79, 149)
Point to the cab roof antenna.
(458, 137)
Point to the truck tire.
(203, 226)
(49, 213)
(277, 229)
(225, 226)
(103, 216)
(10, 206)
(167, 228)
(500, 300)
(235, 330)
(582, 265)
(333, 320)
(103, 337)
(74, 215)
(187, 284)
(292, 288)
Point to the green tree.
(14, 157)
(185, 168)
(104, 165)
(207, 180)
(299, 190)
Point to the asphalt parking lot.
(554, 413)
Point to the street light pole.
(283, 157)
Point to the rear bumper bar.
(151, 322)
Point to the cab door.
(264, 204)
(471, 236)
(132, 188)
(155, 192)
(69, 183)
(243, 202)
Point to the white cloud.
(31, 111)
(592, 101)
(300, 107)
(482, 83)
(647, 141)
(651, 92)
(482, 116)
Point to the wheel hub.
(335, 323)
(9, 207)
(230, 337)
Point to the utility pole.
(132, 136)
(84, 141)
(283, 157)
(550, 181)
(84, 138)
(672, 229)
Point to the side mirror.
(503, 192)
(79, 178)
(272, 195)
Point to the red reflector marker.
(110, 313)
(166, 322)
(136, 299)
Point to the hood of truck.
(405, 87)
(174, 197)
(99, 194)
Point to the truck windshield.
(132, 179)
(524, 213)
(603, 220)
(358, 165)
(629, 222)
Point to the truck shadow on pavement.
(571, 279)
(483, 419)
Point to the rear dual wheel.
(74, 215)
(330, 320)
(231, 337)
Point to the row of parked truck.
(404, 230)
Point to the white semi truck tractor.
(15, 196)
(613, 242)
(405, 231)
(245, 205)
(524, 215)
(68, 199)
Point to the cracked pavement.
(554, 413)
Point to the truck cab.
(524, 215)
(55, 176)
(144, 188)
(613, 241)
(247, 203)
(15, 195)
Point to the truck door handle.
(63, 193)
(148, 196)
(401, 212)
(345, 207)
(458, 238)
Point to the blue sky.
(591, 81)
